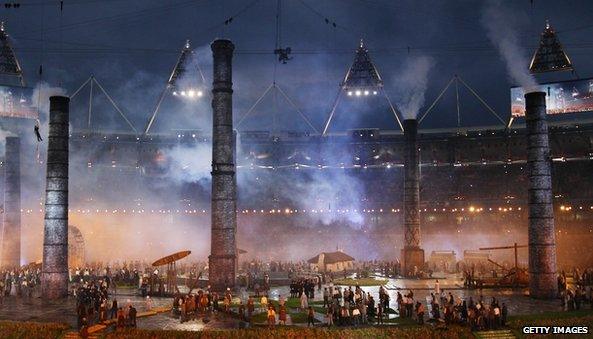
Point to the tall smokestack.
(222, 260)
(11, 238)
(542, 244)
(412, 254)
(54, 274)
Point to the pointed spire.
(550, 56)
(363, 74)
(180, 66)
(9, 64)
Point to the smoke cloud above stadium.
(411, 85)
(501, 25)
(133, 66)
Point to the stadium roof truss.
(361, 79)
(456, 79)
(181, 68)
(91, 82)
(549, 56)
(272, 88)
(9, 64)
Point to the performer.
(36, 128)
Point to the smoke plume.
(500, 25)
(189, 164)
(411, 84)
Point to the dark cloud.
(131, 46)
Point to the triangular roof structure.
(362, 80)
(363, 73)
(189, 86)
(92, 82)
(9, 64)
(180, 66)
(274, 86)
(550, 56)
(457, 81)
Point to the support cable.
(331, 113)
(297, 109)
(457, 102)
(156, 109)
(482, 101)
(60, 39)
(436, 100)
(393, 110)
(254, 105)
(90, 104)
(115, 105)
(81, 87)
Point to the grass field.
(583, 317)
(406, 328)
(304, 332)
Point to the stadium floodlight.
(361, 91)
(189, 93)
(362, 79)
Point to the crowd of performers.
(23, 283)
(582, 291)
(353, 307)
(306, 286)
(93, 302)
(342, 306)
(345, 306)
(202, 304)
(93, 288)
(447, 308)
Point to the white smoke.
(323, 191)
(189, 164)
(500, 24)
(411, 84)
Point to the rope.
(60, 39)
(40, 74)
(278, 24)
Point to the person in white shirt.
(304, 301)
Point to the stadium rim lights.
(361, 92)
(291, 211)
(190, 93)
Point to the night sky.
(131, 47)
